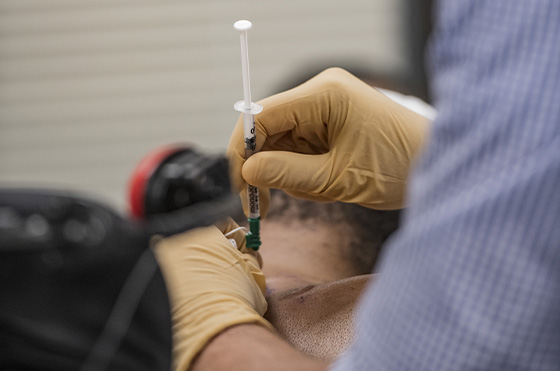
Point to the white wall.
(88, 87)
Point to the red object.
(141, 175)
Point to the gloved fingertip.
(264, 168)
(225, 225)
(251, 168)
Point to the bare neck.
(312, 290)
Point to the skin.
(299, 253)
(312, 289)
(312, 294)
(318, 320)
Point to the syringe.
(249, 109)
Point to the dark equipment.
(174, 188)
(79, 286)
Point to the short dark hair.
(368, 229)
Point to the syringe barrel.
(250, 149)
(253, 197)
(249, 125)
(249, 133)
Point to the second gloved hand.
(333, 138)
(212, 286)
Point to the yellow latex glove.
(333, 138)
(212, 286)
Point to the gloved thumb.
(289, 171)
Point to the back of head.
(366, 230)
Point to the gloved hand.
(333, 138)
(212, 285)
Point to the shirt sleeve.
(472, 279)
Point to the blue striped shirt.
(472, 279)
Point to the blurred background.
(89, 87)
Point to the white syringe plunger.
(243, 26)
(246, 106)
